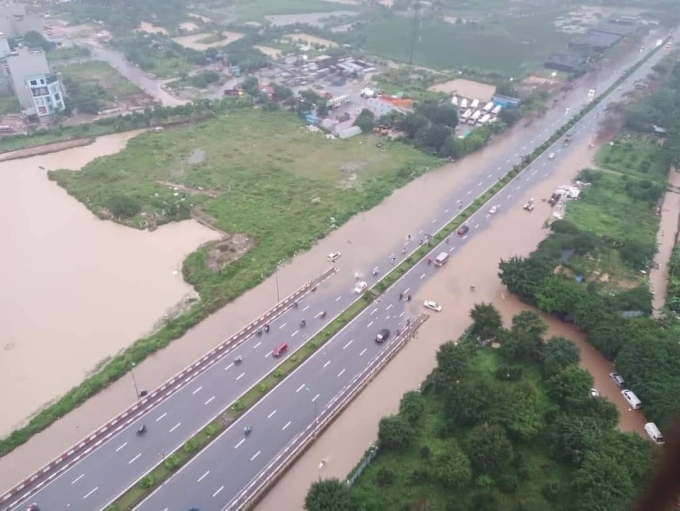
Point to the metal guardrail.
(270, 474)
(48, 472)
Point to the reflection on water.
(75, 289)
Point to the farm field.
(260, 175)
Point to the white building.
(35, 85)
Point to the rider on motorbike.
(302, 322)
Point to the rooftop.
(595, 40)
(613, 28)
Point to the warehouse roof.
(613, 28)
(595, 40)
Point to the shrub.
(146, 482)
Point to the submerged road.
(216, 479)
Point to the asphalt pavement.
(216, 476)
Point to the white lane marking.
(446, 210)
(407, 290)
(363, 351)
(254, 347)
(228, 366)
(237, 445)
(174, 427)
(271, 414)
(209, 401)
(240, 376)
(341, 373)
(389, 306)
(452, 249)
(282, 326)
(489, 176)
(203, 476)
(509, 195)
(465, 237)
(338, 298)
(159, 418)
(198, 389)
(91, 492)
(121, 447)
(316, 397)
(469, 192)
(218, 491)
(420, 231)
(434, 221)
(422, 276)
(134, 459)
(303, 310)
(284, 428)
(256, 455)
(388, 317)
(400, 315)
(294, 333)
(373, 312)
(77, 478)
(347, 345)
(300, 388)
(480, 183)
(369, 325)
(476, 226)
(499, 168)
(326, 364)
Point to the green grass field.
(507, 44)
(256, 10)
(102, 74)
(9, 105)
(274, 181)
(635, 155)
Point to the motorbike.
(302, 323)
(408, 298)
(238, 360)
(323, 314)
(247, 430)
(401, 296)
(141, 430)
(259, 331)
(266, 328)
(295, 305)
(375, 272)
(429, 262)
(472, 288)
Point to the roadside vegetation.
(511, 426)
(158, 54)
(608, 238)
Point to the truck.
(474, 104)
(463, 103)
(474, 117)
(337, 102)
(466, 115)
(483, 120)
(487, 108)
(496, 110)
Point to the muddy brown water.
(359, 240)
(514, 232)
(69, 278)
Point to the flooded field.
(192, 41)
(148, 27)
(466, 89)
(189, 27)
(76, 289)
(311, 18)
(309, 39)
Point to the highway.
(221, 476)
(216, 477)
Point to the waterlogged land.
(262, 177)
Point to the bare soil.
(466, 89)
(228, 250)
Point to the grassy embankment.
(508, 428)
(507, 44)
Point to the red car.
(462, 230)
(281, 348)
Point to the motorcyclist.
(142, 429)
(429, 262)
(238, 359)
(375, 271)
(472, 288)
(408, 298)
(403, 250)
(266, 327)
(323, 314)
(401, 296)
(302, 322)
(295, 304)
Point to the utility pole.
(416, 12)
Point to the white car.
(493, 210)
(551, 156)
(360, 287)
(333, 256)
(594, 393)
(434, 306)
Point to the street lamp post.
(134, 381)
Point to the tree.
(488, 448)
(524, 342)
(602, 484)
(395, 433)
(486, 321)
(283, 94)
(365, 120)
(434, 137)
(122, 206)
(329, 495)
(573, 436)
(251, 85)
(452, 467)
(519, 411)
(524, 277)
(412, 124)
(453, 361)
(468, 403)
(570, 385)
(412, 406)
(557, 354)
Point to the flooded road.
(69, 280)
(665, 239)
(513, 232)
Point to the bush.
(122, 206)
(384, 477)
(210, 430)
(191, 445)
(146, 482)
(171, 462)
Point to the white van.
(632, 399)
(654, 433)
(441, 259)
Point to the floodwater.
(665, 239)
(514, 232)
(69, 280)
(311, 18)
(191, 41)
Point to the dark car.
(463, 229)
(382, 336)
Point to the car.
(594, 393)
(280, 349)
(618, 379)
(463, 229)
(529, 206)
(429, 304)
(360, 287)
(551, 156)
(333, 256)
(382, 336)
(493, 210)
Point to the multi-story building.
(35, 85)
(15, 21)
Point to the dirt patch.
(199, 17)
(310, 39)
(466, 89)
(191, 41)
(226, 251)
(189, 26)
(273, 53)
(148, 27)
